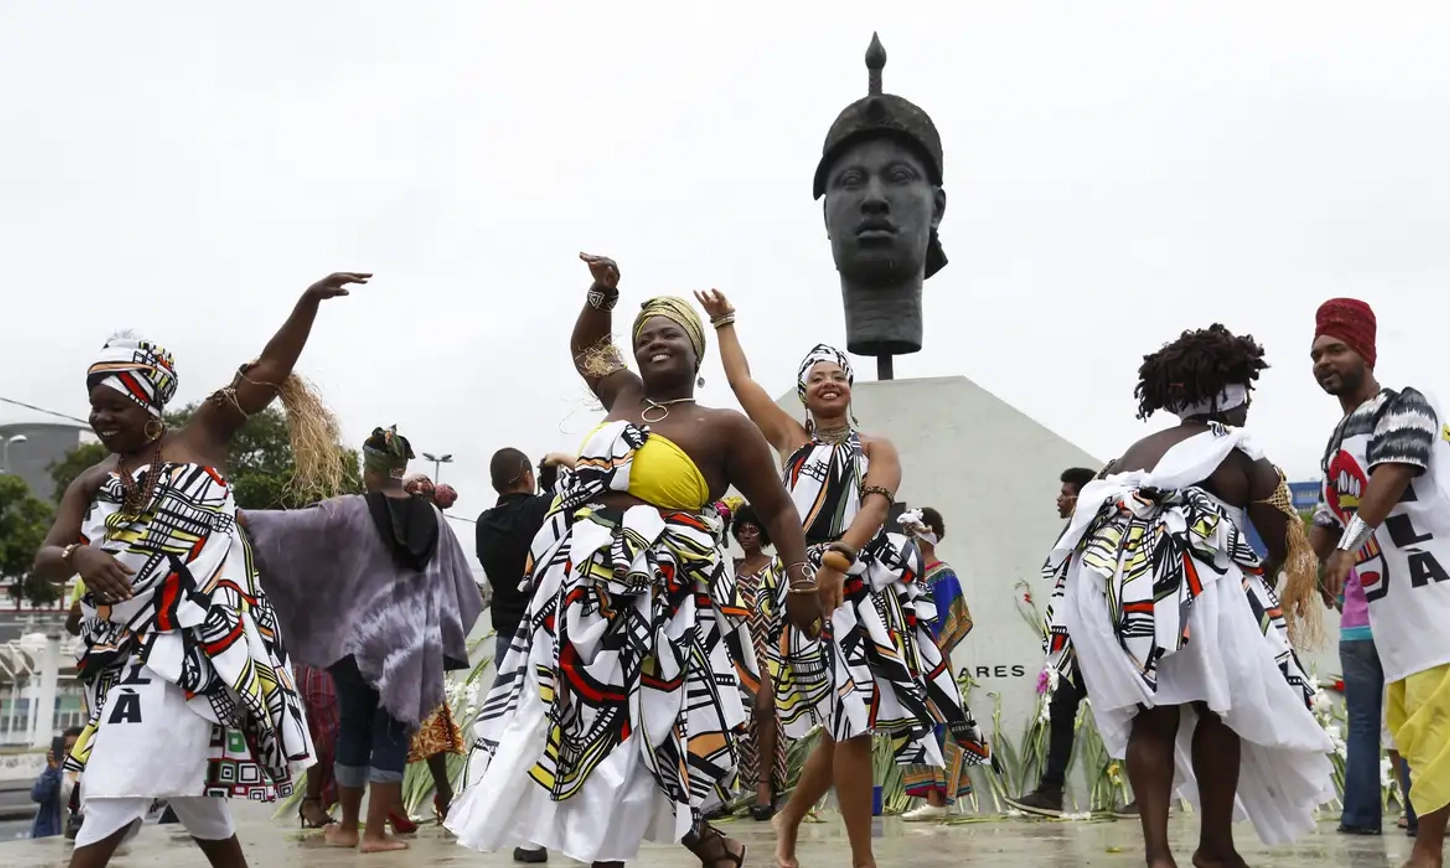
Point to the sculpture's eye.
(901, 175)
(851, 178)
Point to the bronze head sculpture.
(881, 174)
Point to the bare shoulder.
(877, 444)
(727, 421)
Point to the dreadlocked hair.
(1197, 367)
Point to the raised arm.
(596, 358)
(781, 430)
(255, 385)
(751, 469)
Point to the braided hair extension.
(1197, 367)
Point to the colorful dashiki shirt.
(615, 716)
(1405, 567)
(876, 668)
(188, 682)
(949, 629)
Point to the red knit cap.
(1350, 320)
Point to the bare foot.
(336, 836)
(1418, 860)
(785, 835)
(384, 844)
(1206, 859)
(1166, 862)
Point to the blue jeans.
(372, 745)
(1364, 685)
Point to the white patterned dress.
(1166, 604)
(615, 714)
(876, 668)
(187, 683)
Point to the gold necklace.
(833, 435)
(662, 406)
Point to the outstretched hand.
(715, 303)
(335, 285)
(604, 270)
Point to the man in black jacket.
(504, 534)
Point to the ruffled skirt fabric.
(1210, 632)
(615, 714)
(876, 667)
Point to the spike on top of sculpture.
(881, 175)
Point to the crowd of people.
(646, 679)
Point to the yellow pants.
(1418, 715)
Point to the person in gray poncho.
(376, 589)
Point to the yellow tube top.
(662, 474)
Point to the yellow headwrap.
(678, 311)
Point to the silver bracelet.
(1355, 535)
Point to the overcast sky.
(1116, 172)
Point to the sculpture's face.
(880, 209)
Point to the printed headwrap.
(821, 353)
(915, 525)
(137, 368)
(680, 312)
(387, 451)
(1350, 320)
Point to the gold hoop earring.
(160, 430)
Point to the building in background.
(29, 448)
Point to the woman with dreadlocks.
(615, 714)
(188, 684)
(876, 668)
(1180, 638)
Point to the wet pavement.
(997, 842)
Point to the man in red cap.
(1385, 511)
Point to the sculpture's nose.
(873, 199)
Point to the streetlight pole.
(438, 462)
(5, 450)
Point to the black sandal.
(712, 836)
(302, 816)
(760, 813)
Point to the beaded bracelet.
(876, 489)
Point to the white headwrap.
(1233, 395)
(821, 353)
(911, 520)
(137, 368)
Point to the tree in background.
(259, 470)
(24, 521)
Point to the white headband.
(912, 521)
(1233, 395)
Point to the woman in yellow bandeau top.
(616, 710)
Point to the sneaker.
(531, 856)
(1127, 812)
(1043, 803)
(926, 813)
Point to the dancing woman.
(763, 748)
(1181, 641)
(877, 668)
(940, 786)
(375, 589)
(614, 714)
(173, 613)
